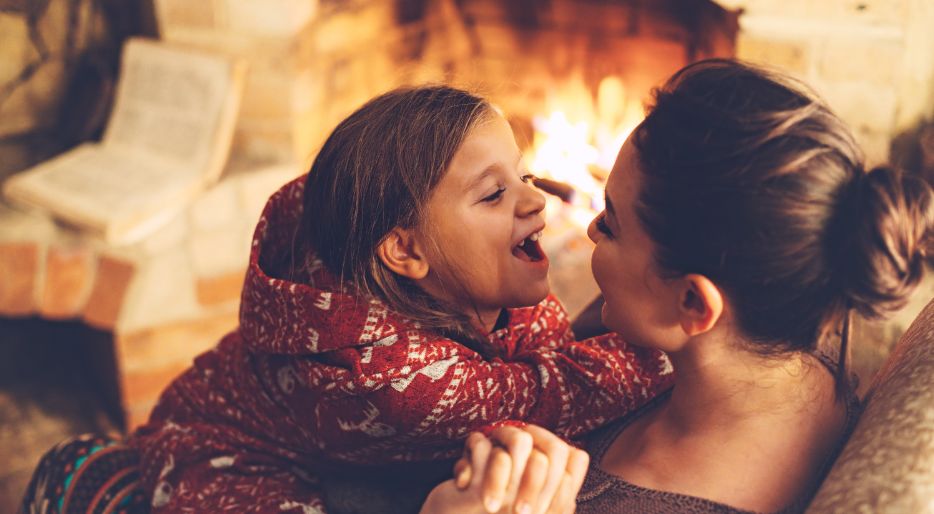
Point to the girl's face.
(485, 218)
(638, 301)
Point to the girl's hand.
(446, 498)
(529, 467)
(465, 496)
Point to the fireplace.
(571, 76)
(312, 66)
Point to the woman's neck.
(730, 410)
(717, 381)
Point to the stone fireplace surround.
(172, 295)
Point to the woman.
(741, 231)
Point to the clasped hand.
(517, 470)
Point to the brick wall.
(872, 60)
(32, 105)
(312, 63)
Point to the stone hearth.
(164, 299)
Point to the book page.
(92, 184)
(168, 137)
(174, 103)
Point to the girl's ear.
(401, 252)
(701, 304)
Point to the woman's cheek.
(597, 266)
(600, 264)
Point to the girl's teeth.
(535, 236)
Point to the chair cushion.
(888, 463)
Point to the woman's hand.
(530, 468)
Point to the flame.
(577, 142)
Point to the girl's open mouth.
(529, 250)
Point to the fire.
(578, 141)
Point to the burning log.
(562, 190)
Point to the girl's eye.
(495, 196)
(602, 226)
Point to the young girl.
(395, 301)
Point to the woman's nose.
(592, 231)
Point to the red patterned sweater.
(317, 380)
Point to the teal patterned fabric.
(90, 474)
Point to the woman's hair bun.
(892, 216)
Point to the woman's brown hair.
(376, 172)
(751, 180)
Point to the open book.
(168, 138)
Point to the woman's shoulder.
(604, 492)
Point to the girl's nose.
(531, 202)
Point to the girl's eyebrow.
(479, 178)
(489, 170)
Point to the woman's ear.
(701, 304)
(401, 252)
